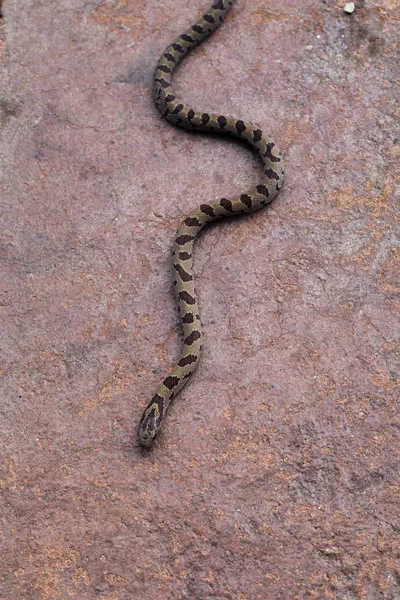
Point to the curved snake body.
(181, 115)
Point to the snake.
(180, 114)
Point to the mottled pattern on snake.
(174, 109)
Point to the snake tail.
(178, 113)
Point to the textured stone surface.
(276, 474)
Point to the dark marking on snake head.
(222, 121)
(246, 199)
(151, 420)
(184, 239)
(189, 359)
(186, 297)
(171, 382)
(193, 337)
(158, 400)
(148, 415)
(240, 127)
(182, 273)
(226, 204)
(207, 210)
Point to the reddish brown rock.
(276, 474)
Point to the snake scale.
(176, 112)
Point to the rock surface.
(276, 474)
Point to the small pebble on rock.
(349, 8)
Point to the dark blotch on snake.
(192, 222)
(187, 360)
(271, 174)
(261, 189)
(188, 318)
(257, 135)
(182, 273)
(219, 5)
(226, 204)
(177, 109)
(186, 297)
(246, 200)
(171, 382)
(193, 337)
(269, 154)
(240, 127)
(207, 210)
(222, 121)
(187, 38)
(184, 239)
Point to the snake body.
(175, 111)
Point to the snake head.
(151, 421)
(146, 438)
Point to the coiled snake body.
(181, 115)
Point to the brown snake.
(175, 111)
